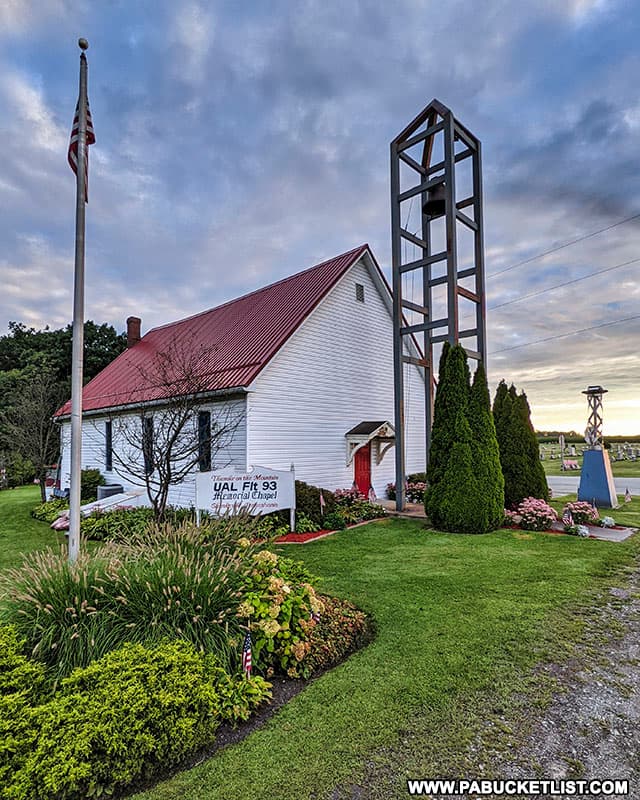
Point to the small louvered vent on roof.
(359, 292)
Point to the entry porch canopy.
(381, 433)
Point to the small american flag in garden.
(567, 517)
(322, 502)
(246, 655)
(72, 155)
(372, 495)
(627, 496)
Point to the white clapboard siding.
(94, 452)
(333, 373)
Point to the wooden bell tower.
(436, 189)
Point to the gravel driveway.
(591, 729)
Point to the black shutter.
(204, 440)
(108, 435)
(147, 444)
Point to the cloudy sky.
(238, 143)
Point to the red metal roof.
(228, 346)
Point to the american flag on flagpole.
(627, 496)
(72, 155)
(246, 655)
(567, 517)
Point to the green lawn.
(620, 469)
(462, 620)
(20, 534)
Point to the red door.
(362, 461)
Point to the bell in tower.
(435, 204)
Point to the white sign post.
(261, 490)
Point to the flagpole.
(78, 316)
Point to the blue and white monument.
(596, 478)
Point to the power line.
(560, 285)
(564, 335)
(562, 246)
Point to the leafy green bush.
(360, 511)
(334, 522)
(277, 601)
(307, 506)
(90, 479)
(305, 525)
(119, 523)
(20, 471)
(340, 629)
(17, 672)
(134, 711)
(176, 582)
(50, 511)
(308, 502)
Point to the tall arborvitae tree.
(457, 495)
(452, 400)
(486, 454)
(438, 450)
(538, 486)
(452, 395)
(501, 411)
(519, 452)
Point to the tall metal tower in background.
(436, 161)
(593, 434)
(596, 478)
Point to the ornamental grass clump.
(536, 515)
(60, 609)
(165, 582)
(583, 513)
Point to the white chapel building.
(307, 365)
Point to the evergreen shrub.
(90, 479)
(486, 455)
(464, 481)
(307, 503)
(519, 449)
(454, 500)
(122, 718)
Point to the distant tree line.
(35, 380)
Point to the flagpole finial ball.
(83, 44)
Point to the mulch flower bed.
(302, 538)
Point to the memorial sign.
(261, 490)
